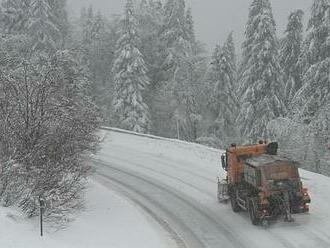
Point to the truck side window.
(224, 162)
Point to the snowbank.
(109, 221)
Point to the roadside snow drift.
(109, 221)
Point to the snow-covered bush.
(47, 129)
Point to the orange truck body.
(262, 183)
(236, 159)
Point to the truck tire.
(252, 212)
(234, 204)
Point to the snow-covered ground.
(175, 183)
(166, 198)
(109, 221)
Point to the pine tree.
(45, 21)
(319, 133)
(315, 61)
(98, 26)
(261, 84)
(230, 46)
(312, 101)
(97, 48)
(16, 16)
(60, 15)
(185, 97)
(143, 8)
(130, 78)
(190, 26)
(47, 37)
(175, 35)
(171, 51)
(150, 16)
(289, 54)
(213, 75)
(181, 62)
(186, 61)
(94, 35)
(87, 20)
(224, 102)
(100, 61)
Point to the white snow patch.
(109, 221)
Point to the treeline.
(151, 75)
(146, 67)
(145, 71)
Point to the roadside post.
(42, 206)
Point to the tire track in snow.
(153, 158)
(160, 173)
(124, 188)
(215, 233)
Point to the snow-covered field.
(165, 197)
(109, 221)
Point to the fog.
(214, 19)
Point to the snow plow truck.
(262, 183)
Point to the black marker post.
(42, 205)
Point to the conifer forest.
(145, 70)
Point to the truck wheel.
(234, 204)
(252, 212)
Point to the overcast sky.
(214, 19)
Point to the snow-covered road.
(175, 184)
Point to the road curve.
(175, 184)
(190, 220)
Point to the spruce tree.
(171, 53)
(130, 78)
(260, 79)
(174, 34)
(45, 32)
(99, 25)
(87, 20)
(190, 26)
(224, 102)
(184, 83)
(181, 62)
(312, 101)
(60, 16)
(16, 16)
(98, 38)
(45, 21)
(230, 46)
(150, 16)
(289, 54)
(315, 61)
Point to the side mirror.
(224, 162)
(272, 148)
